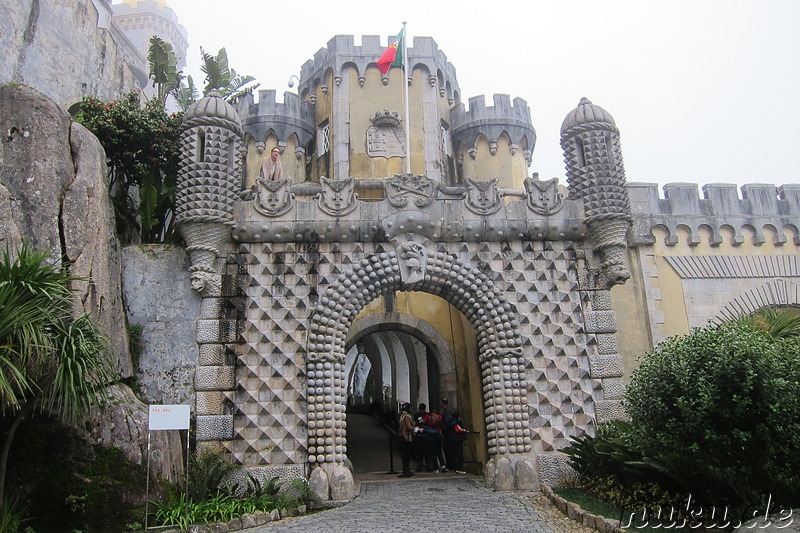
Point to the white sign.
(164, 417)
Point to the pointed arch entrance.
(500, 348)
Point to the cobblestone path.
(424, 505)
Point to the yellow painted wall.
(653, 277)
(633, 324)
(510, 168)
(292, 167)
(365, 101)
(375, 97)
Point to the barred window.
(445, 141)
(323, 138)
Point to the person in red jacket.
(426, 452)
(436, 425)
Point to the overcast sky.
(702, 91)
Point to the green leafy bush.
(208, 473)
(719, 410)
(215, 497)
(12, 515)
(142, 144)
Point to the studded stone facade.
(210, 178)
(301, 297)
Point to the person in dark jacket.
(447, 431)
(457, 437)
(425, 443)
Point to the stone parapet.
(450, 217)
(68, 50)
(719, 205)
(341, 53)
(513, 119)
(293, 115)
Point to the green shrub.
(208, 474)
(12, 515)
(215, 497)
(606, 454)
(142, 144)
(719, 410)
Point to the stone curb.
(576, 513)
(246, 521)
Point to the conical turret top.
(213, 106)
(585, 113)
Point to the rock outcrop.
(53, 189)
(123, 423)
(54, 196)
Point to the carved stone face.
(206, 283)
(198, 281)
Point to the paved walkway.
(424, 505)
(428, 502)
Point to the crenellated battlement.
(268, 103)
(503, 107)
(293, 115)
(341, 53)
(511, 117)
(719, 205)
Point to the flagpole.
(406, 76)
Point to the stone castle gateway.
(351, 282)
(465, 278)
(298, 274)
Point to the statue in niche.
(413, 259)
(271, 169)
(483, 198)
(543, 196)
(273, 198)
(337, 198)
(402, 187)
(385, 138)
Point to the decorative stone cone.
(608, 237)
(608, 232)
(203, 241)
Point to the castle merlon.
(720, 205)
(505, 116)
(341, 53)
(293, 115)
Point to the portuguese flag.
(392, 56)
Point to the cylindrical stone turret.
(209, 179)
(590, 140)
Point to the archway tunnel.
(410, 347)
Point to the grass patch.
(599, 507)
(589, 503)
